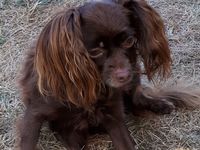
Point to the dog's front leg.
(29, 131)
(119, 134)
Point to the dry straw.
(19, 27)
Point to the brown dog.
(84, 71)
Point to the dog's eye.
(96, 52)
(129, 42)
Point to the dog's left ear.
(152, 43)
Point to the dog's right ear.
(63, 65)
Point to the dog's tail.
(181, 95)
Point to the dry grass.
(22, 20)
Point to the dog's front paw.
(161, 106)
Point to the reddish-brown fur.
(84, 71)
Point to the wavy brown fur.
(63, 64)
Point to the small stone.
(20, 3)
(197, 37)
(2, 3)
(2, 40)
(44, 2)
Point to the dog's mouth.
(119, 83)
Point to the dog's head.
(98, 43)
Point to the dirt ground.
(22, 20)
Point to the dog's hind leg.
(141, 100)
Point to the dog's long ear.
(64, 67)
(152, 42)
